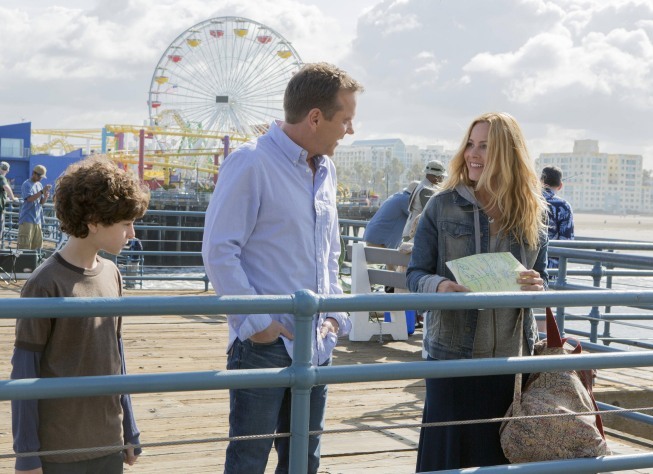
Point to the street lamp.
(386, 184)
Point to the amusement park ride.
(220, 81)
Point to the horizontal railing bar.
(636, 261)
(147, 305)
(589, 346)
(641, 417)
(164, 278)
(162, 212)
(353, 222)
(168, 227)
(255, 304)
(600, 244)
(61, 387)
(476, 367)
(520, 299)
(143, 306)
(627, 342)
(604, 272)
(610, 317)
(218, 380)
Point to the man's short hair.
(316, 85)
(4, 166)
(552, 176)
(96, 191)
(435, 168)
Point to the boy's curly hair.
(96, 191)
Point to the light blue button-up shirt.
(272, 228)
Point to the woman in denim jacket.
(491, 202)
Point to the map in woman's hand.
(487, 272)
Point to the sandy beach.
(611, 226)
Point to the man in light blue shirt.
(272, 228)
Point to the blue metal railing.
(301, 375)
(604, 266)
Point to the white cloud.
(86, 67)
(565, 68)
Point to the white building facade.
(602, 182)
(384, 166)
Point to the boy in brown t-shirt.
(96, 203)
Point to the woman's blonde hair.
(508, 177)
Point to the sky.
(566, 69)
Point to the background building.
(384, 166)
(601, 182)
(15, 149)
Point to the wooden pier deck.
(197, 342)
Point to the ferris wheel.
(226, 75)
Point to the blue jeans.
(266, 411)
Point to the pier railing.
(172, 244)
(301, 376)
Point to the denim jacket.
(453, 226)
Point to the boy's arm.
(131, 434)
(25, 413)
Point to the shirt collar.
(291, 150)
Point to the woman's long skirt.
(464, 398)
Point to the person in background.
(435, 173)
(6, 194)
(133, 261)
(386, 226)
(491, 202)
(280, 235)
(30, 218)
(561, 217)
(96, 204)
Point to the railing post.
(597, 273)
(607, 309)
(306, 306)
(595, 314)
(561, 282)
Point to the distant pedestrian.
(30, 218)
(133, 261)
(435, 173)
(6, 194)
(561, 216)
(387, 224)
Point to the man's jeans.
(266, 411)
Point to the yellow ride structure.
(193, 158)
